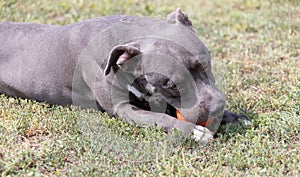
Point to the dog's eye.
(173, 87)
(204, 64)
(170, 85)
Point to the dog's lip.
(203, 124)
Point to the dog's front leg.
(147, 118)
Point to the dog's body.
(38, 61)
(88, 65)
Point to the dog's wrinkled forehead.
(176, 51)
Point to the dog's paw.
(230, 117)
(202, 134)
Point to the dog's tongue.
(203, 124)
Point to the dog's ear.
(178, 16)
(120, 54)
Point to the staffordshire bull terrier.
(141, 69)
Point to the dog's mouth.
(145, 105)
(170, 110)
(139, 97)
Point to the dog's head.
(169, 73)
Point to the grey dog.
(141, 69)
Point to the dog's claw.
(202, 134)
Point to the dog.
(146, 70)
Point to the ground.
(254, 43)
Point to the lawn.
(256, 45)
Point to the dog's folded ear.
(120, 54)
(179, 17)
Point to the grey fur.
(43, 62)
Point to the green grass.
(256, 43)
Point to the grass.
(256, 43)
